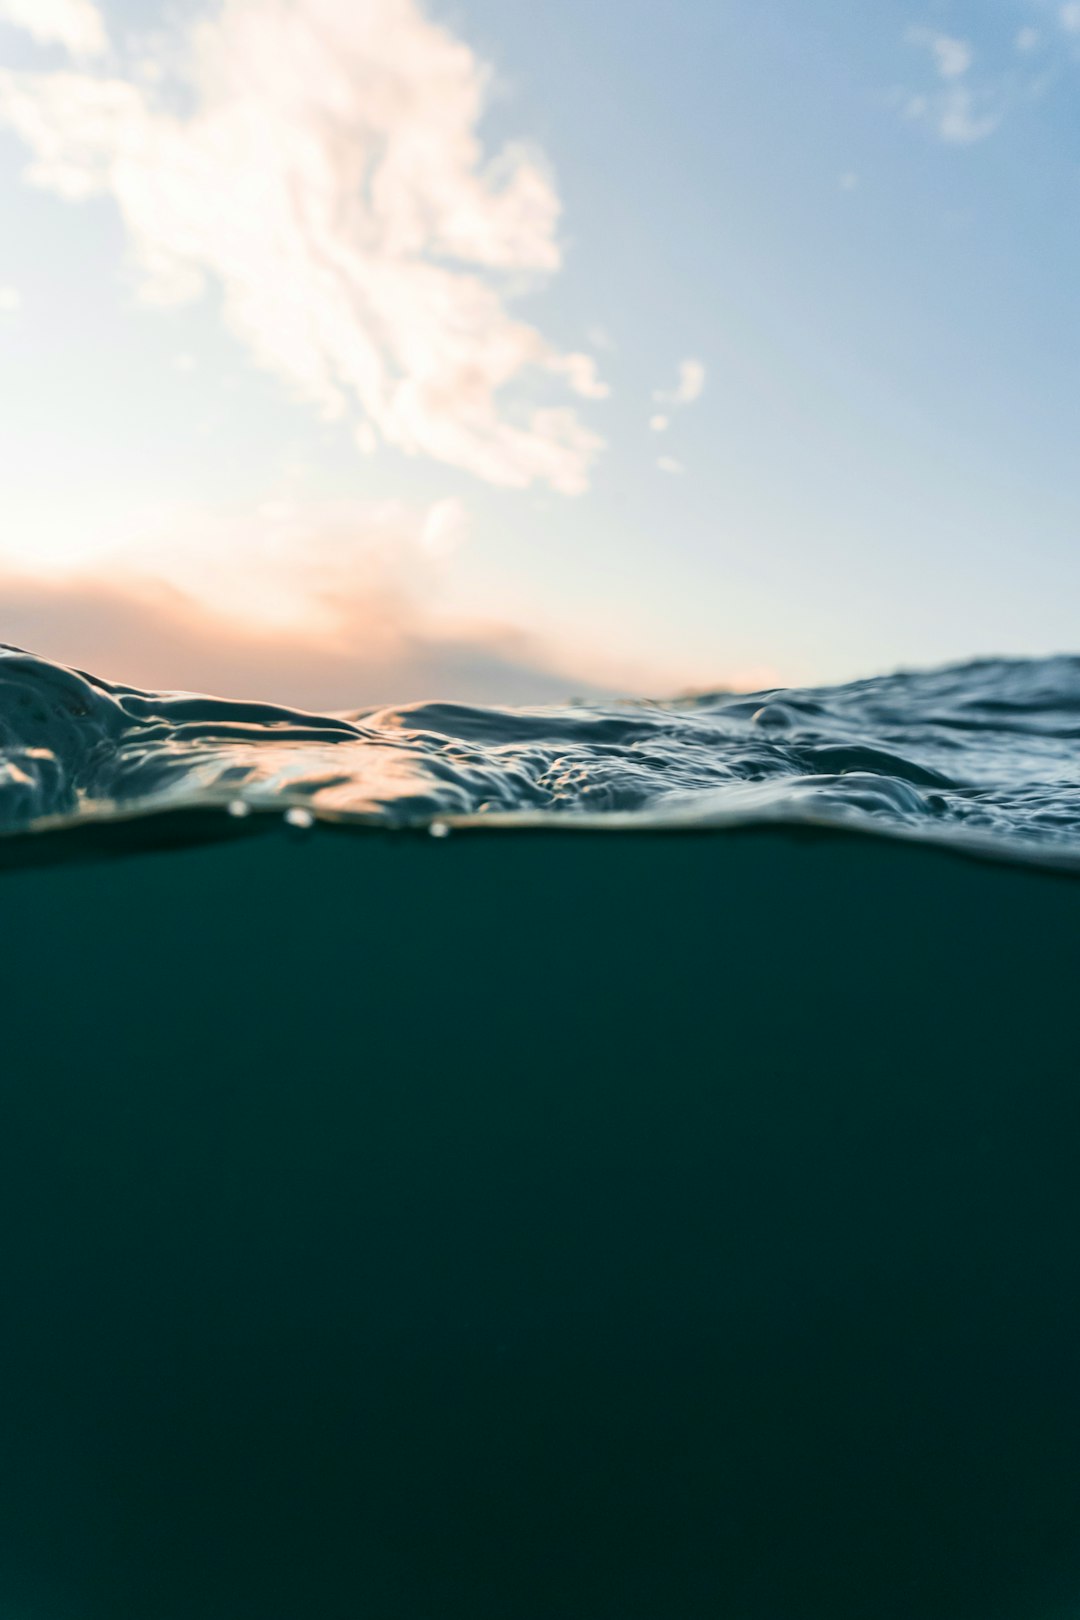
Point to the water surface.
(982, 755)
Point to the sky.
(370, 350)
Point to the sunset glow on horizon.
(619, 348)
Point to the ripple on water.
(981, 753)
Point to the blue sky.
(860, 222)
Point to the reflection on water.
(982, 754)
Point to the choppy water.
(983, 755)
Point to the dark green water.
(540, 1227)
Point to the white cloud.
(1070, 16)
(952, 57)
(580, 372)
(324, 603)
(962, 118)
(849, 181)
(77, 25)
(690, 385)
(659, 423)
(598, 337)
(10, 300)
(444, 528)
(386, 650)
(1027, 39)
(957, 114)
(668, 464)
(289, 561)
(329, 178)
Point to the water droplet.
(239, 808)
(439, 829)
(774, 716)
(299, 817)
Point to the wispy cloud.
(959, 113)
(1027, 39)
(289, 563)
(134, 632)
(689, 387)
(668, 464)
(323, 604)
(77, 25)
(964, 117)
(599, 337)
(952, 57)
(393, 645)
(10, 300)
(327, 174)
(1070, 16)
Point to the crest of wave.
(981, 754)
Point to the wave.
(980, 756)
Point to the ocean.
(579, 1163)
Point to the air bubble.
(439, 829)
(299, 817)
(239, 808)
(774, 717)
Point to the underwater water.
(529, 1222)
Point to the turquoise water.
(528, 1222)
